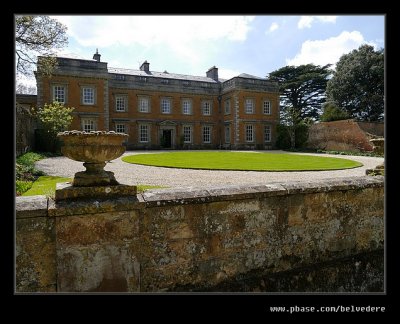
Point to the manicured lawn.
(241, 161)
(46, 185)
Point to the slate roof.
(164, 75)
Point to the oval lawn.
(241, 161)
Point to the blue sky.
(255, 45)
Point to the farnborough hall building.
(162, 109)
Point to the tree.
(357, 85)
(332, 112)
(54, 118)
(302, 91)
(24, 89)
(37, 35)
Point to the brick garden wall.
(343, 135)
(299, 236)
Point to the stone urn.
(378, 145)
(379, 148)
(94, 149)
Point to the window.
(227, 134)
(88, 125)
(120, 103)
(227, 106)
(249, 133)
(206, 108)
(59, 94)
(88, 96)
(249, 106)
(187, 134)
(144, 105)
(267, 107)
(206, 134)
(187, 107)
(144, 133)
(166, 106)
(120, 128)
(267, 133)
(119, 77)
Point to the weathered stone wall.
(343, 135)
(25, 123)
(277, 237)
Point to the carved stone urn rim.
(91, 133)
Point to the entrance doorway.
(166, 138)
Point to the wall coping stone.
(39, 206)
(31, 206)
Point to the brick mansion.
(162, 109)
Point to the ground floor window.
(206, 134)
(227, 134)
(187, 134)
(120, 128)
(88, 125)
(267, 133)
(249, 133)
(144, 133)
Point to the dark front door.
(167, 138)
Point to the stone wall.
(298, 236)
(25, 123)
(344, 135)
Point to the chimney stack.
(212, 73)
(96, 56)
(145, 67)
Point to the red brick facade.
(165, 109)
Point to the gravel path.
(132, 174)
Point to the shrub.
(283, 138)
(22, 186)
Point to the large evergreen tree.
(302, 91)
(357, 85)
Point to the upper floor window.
(120, 103)
(267, 107)
(249, 106)
(187, 107)
(166, 106)
(144, 105)
(227, 106)
(88, 95)
(206, 108)
(249, 133)
(120, 128)
(59, 93)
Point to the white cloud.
(185, 35)
(274, 26)
(321, 52)
(306, 21)
(227, 73)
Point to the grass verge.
(46, 185)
